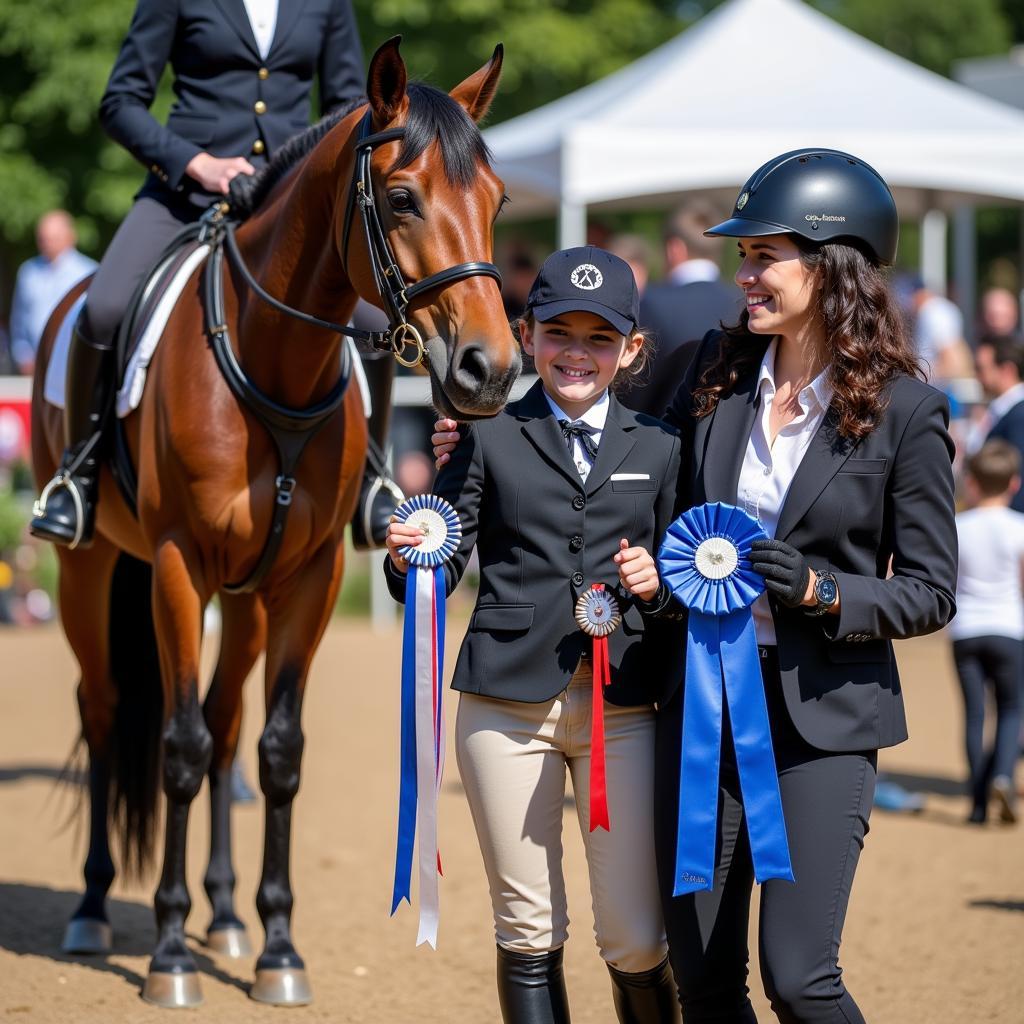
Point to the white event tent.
(752, 79)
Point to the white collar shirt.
(263, 19)
(768, 469)
(594, 419)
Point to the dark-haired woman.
(812, 416)
(243, 73)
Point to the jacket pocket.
(864, 466)
(502, 617)
(650, 484)
(847, 652)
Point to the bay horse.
(398, 189)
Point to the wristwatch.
(826, 593)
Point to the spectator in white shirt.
(988, 631)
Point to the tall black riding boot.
(378, 494)
(531, 988)
(66, 510)
(646, 998)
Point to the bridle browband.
(396, 295)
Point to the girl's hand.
(444, 439)
(401, 535)
(637, 571)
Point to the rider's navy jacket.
(229, 100)
(543, 536)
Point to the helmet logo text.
(825, 217)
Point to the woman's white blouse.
(768, 469)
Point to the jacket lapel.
(542, 431)
(728, 433)
(287, 17)
(616, 443)
(824, 458)
(238, 19)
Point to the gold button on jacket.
(260, 107)
(263, 73)
(258, 147)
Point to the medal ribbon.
(722, 663)
(422, 742)
(598, 787)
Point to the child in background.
(988, 631)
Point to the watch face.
(826, 590)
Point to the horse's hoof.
(172, 990)
(87, 935)
(232, 941)
(282, 986)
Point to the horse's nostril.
(472, 368)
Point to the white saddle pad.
(130, 394)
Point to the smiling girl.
(563, 490)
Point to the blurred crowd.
(686, 289)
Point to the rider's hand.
(214, 173)
(401, 535)
(444, 439)
(637, 571)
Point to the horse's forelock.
(435, 117)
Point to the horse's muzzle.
(468, 386)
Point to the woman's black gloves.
(785, 571)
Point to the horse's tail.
(136, 748)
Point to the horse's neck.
(290, 249)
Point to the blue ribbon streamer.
(722, 659)
(407, 755)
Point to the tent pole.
(572, 224)
(933, 251)
(965, 266)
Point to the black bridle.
(395, 293)
(292, 429)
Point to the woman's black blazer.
(229, 101)
(853, 508)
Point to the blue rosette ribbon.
(422, 728)
(704, 559)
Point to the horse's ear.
(385, 83)
(477, 91)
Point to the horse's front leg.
(187, 746)
(298, 616)
(243, 637)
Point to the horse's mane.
(433, 115)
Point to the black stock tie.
(581, 432)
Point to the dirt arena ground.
(935, 933)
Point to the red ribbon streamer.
(598, 789)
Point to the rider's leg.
(378, 494)
(65, 513)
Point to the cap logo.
(587, 277)
(824, 217)
(742, 201)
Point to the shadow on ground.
(33, 920)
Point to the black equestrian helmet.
(822, 195)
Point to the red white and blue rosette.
(704, 559)
(423, 732)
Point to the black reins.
(293, 429)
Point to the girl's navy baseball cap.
(590, 279)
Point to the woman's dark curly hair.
(864, 330)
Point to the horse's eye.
(401, 200)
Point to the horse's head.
(437, 198)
